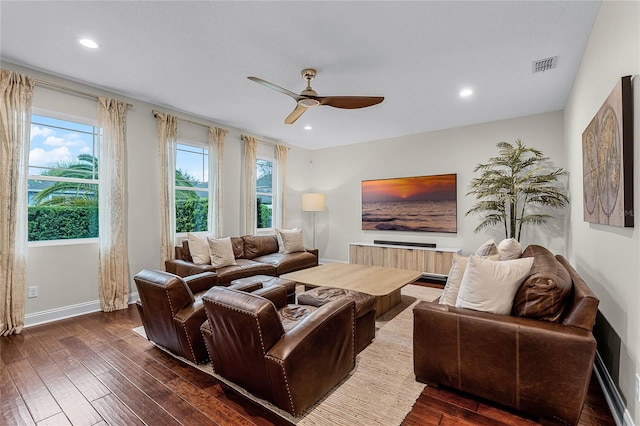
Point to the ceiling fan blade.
(350, 102)
(276, 88)
(295, 114)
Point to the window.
(63, 180)
(265, 193)
(192, 188)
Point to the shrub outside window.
(63, 180)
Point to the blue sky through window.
(54, 142)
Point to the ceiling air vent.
(542, 65)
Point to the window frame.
(274, 195)
(97, 137)
(199, 145)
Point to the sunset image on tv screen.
(421, 203)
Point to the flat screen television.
(420, 204)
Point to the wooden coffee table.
(382, 283)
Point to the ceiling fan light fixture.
(308, 103)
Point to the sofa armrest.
(313, 357)
(183, 268)
(315, 252)
(246, 287)
(276, 293)
(201, 282)
(509, 360)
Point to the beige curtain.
(16, 91)
(113, 265)
(167, 140)
(250, 203)
(281, 209)
(216, 160)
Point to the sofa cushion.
(509, 248)
(242, 269)
(185, 252)
(289, 240)
(487, 248)
(221, 252)
(490, 286)
(259, 245)
(544, 293)
(285, 263)
(199, 248)
(454, 279)
(238, 247)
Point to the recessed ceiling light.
(465, 93)
(87, 42)
(307, 127)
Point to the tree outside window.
(192, 188)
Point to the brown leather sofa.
(171, 311)
(538, 366)
(254, 254)
(290, 355)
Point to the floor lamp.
(313, 203)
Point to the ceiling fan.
(309, 98)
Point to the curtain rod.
(69, 89)
(155, 113)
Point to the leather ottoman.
(251, 284)
(365, 309)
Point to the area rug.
(380, 390)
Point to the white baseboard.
(620, 413)
(64, 312)
(322, 260)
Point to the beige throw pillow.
(488, 248)
(454, 279)
(509, 248)
(490, 286)
(199, 248)
(290, 240)
(221, 252)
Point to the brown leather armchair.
(249, 345)
(170, 312)
(540, 367)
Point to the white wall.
(67, 275)
(607, 257)
(338, 172)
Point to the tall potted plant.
(512, 185)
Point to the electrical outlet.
(33, 292)
(637, 387)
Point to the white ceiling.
(194, 57)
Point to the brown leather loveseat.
(537, 366)
(290, 355)
(254, 255)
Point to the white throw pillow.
(509, 248)
(290, 240)
(221, 252)
(452, 287)
(490, 286)
(199, 248)
(454, 279)
(487, 248)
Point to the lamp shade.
(313, 202)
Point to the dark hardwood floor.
(93, 369)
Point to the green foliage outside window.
(191, 214)
(62, 222)
(264, 215)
